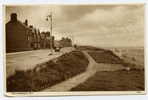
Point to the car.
(57, 49)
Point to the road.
(30, 59)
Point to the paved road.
(30, 59)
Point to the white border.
(62, 93)
(63, 2)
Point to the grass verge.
(122, 80)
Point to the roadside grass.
(51, 73)
(120, 80)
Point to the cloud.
(75, 12)
(122, 25)
(98, 25)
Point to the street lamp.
(49, 17)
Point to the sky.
(96, 25)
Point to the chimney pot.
(13, 17)
(26, 22)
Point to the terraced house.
(21, 36)
(16, 35)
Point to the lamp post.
(49, 17)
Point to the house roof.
(19, 22)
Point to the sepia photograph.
(93, 48)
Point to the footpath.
(72, 82)
(92, 68)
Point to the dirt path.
(92, 68)
(72, 82)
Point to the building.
(43, 41)
(17, 35)
(46, 40)
(65, 42)
(34, 37)
(21, 36)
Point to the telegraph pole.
(51, 45)
(51, 33)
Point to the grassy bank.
(101, 55)
(52, 72)
(119, 80)
(105, 56)
(89, 48)
(109, 57)
(114, 81)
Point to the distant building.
(17, 35)
(65, 42)
(47, 39)
(43, 41)
(57, 43)
(38, 39)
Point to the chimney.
(13, 17)
(31, 26)
(26, 22)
